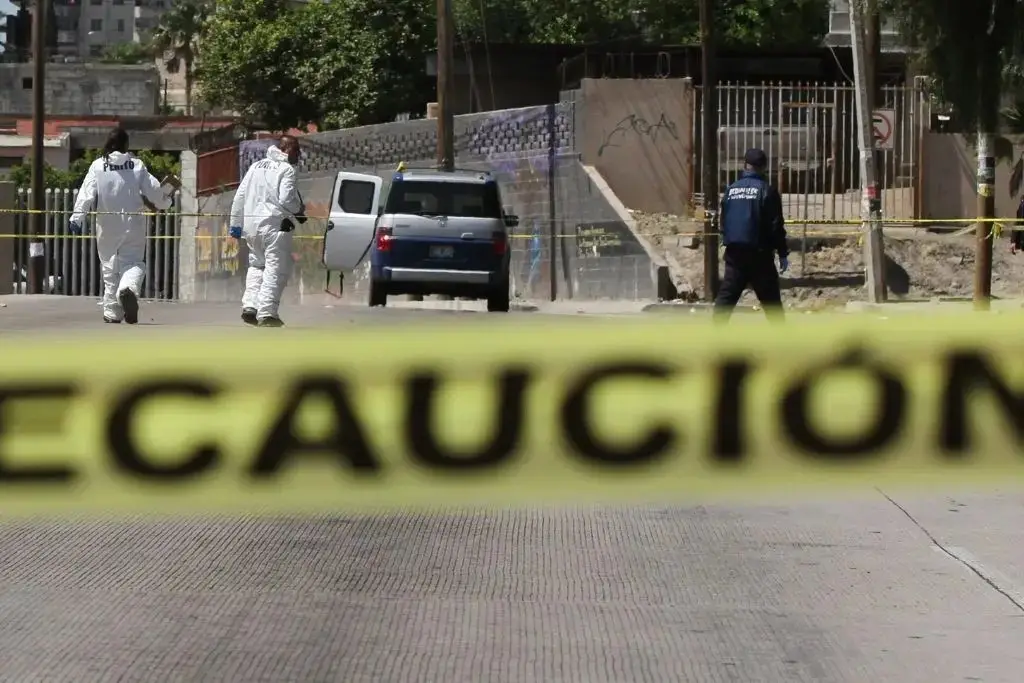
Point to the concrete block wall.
(83, 89)
(571, 242)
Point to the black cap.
(756, 157)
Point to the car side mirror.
(511, 220)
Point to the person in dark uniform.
(753, 232)
(1017, 236)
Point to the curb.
(691, 308)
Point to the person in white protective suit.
(265, 210)
(115, 185)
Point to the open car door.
(353, 218)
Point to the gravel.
(921, 264)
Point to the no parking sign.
(883, 125)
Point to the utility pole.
(709, 147)
(871, 204)
(445, 87)
(875, 96)
(986, 212)
(37, 222)
(872, 51)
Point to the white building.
(86, 28)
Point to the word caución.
(962, 375)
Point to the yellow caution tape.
(793, 235)
(697, 218)
(507, 413)
(1000, 226)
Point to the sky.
(6, 8)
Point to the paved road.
(42, 312)
(877, 588)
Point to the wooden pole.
(445, 87)
(709, 147)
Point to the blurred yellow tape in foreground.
(505, 413)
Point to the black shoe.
(249, 316)
(130, 303)
(270, 322)
(111, 321)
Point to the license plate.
(442, 252)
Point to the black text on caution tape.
(963, 374)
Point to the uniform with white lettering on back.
(116, 184)
(267, 205)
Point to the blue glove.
(783, 264)
(235, 232)
(74, 228)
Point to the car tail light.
(383, 239)
(500, 242)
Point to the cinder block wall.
(83, 89)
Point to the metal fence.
(809, 132)
(72, 266)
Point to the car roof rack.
(403, 167)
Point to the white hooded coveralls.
(115, 185)
(266, 197)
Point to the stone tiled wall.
(526, 131)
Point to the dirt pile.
(830, 273)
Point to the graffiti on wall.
(640, 127)
(600, 239)
(215, 254)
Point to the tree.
(176, 38)
(768, 23)
(250, 58)
(354, 62)
(402, 33)
(337, 63)
(969, 49)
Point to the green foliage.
(765, 23)
(160, 164)
(400, 33)
(969, 49)
(21, 176)
(337, 63)
(250, 50)
(128, 53)
(352, 62)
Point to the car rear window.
(433, 198)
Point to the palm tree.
(175, 39)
